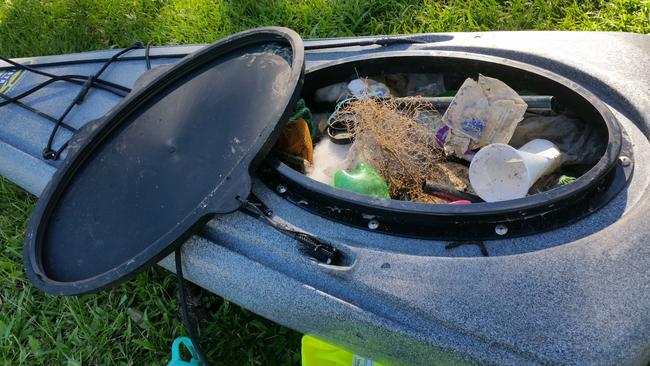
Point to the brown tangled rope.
(394, 138)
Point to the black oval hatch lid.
(137, 183)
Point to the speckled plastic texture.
(575, 295)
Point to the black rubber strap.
(187, 322)
(147, 57)
(321, 251)
(315, 247)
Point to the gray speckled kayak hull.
(576, 295)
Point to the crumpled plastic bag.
(357, 88)
(429, 85)
(328, 159)
(579, 141)
(363, 149)
(482, 113)
(332, 93)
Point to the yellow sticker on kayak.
(9, 79)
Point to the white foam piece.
(328, 159)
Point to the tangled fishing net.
(393, 137)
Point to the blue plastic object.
(176, 353)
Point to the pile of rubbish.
(406, 137)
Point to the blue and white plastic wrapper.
(442, 131)
(368, 87)
(482, 113)
(356, 88)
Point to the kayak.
(552, 278)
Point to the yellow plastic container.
(320, 353)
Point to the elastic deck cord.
(86, 83)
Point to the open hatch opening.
(555, 199)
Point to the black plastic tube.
(535, 102)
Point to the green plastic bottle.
(363, 179)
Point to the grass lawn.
(135, 323)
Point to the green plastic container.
(363, 179)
